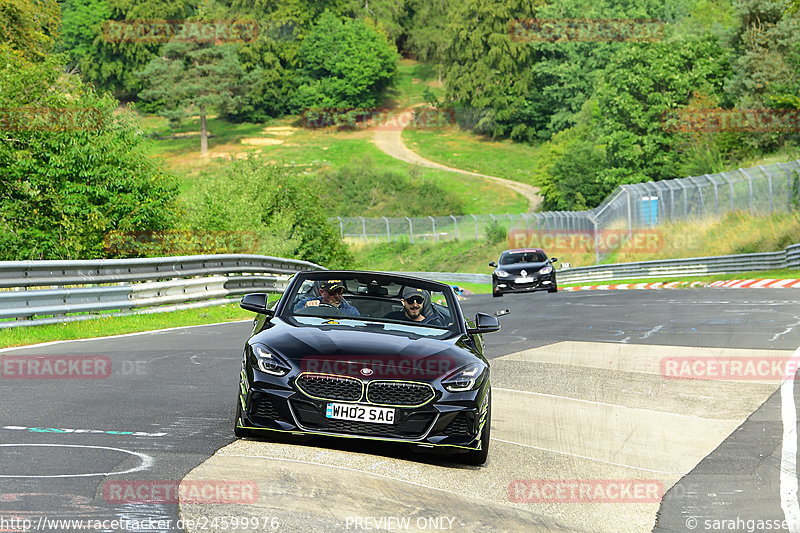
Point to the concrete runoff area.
(566, 414)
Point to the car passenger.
(331, 293)
(413, 300)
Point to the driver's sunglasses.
(335, 291)
(415, 299)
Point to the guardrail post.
(410, 230)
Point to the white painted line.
(3, 350)
(146, 463)
(788, 477)
(604, 404)
(588, 458)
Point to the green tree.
(111, 62)
(640, 86)
(30, 26)
(344, 64)
(196, 77)
(74, 169)
(427, 32)
(81, 23)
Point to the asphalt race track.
(592, 431)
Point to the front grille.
(263, 408)
(338, 388)
(399, 393)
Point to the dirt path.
(388, 137)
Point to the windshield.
(523, 256)
(393, 302)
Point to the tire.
(240, 433)
(478, 457)
(495, 293)
(553, 289)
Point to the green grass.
(409, 83)
(314, 150)
(101, 327)
(468, 151)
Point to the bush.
(496, 232)
(268, 210)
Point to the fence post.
(716, 193)
(730, 188)
(410, 230)
(476, 226)
(341, 227)
(700, 193)
(630, 216)
(596, 243)
(388, 233)
(455, 223)
(750, 183)
(769, 181)
(433, 228)
(363, 229)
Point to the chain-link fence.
(760, 189)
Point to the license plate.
(360, 413)
(524, 280)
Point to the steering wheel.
(322, 309)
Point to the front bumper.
(511, 284)
(452, 420)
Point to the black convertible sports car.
(368, 355)
(523, 270)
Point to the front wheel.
(495, 292)
(553, 289)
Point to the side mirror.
(553, 259)
(484, 324)
(256, 302)
(493, 264)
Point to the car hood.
(349, 351)
(517, 268)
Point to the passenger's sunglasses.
(415, 299)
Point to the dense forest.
(607, 108)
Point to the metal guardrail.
(164, 284)
(43, 294)
(696, 266)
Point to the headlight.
(269, 362)
(466, 378)
(546, 270)
(501, 273)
